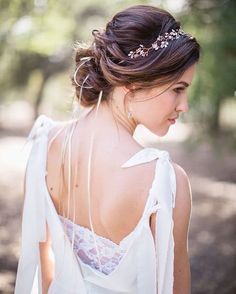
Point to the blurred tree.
(34, 37)
(214, 23)
(38, 35)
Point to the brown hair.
(109, 64)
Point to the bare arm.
(181, 217)
(46, 254)
(47, 263)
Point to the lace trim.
(110, 253)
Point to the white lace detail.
(110, 253)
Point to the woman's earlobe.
(129, 87)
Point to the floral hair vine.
(162, 41)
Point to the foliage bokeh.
(36, 45)
(37, 39)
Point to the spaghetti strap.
(54, 137)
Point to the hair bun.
(87, 76)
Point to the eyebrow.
(183, 83)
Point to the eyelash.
(178, 90)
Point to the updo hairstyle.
(106, 64)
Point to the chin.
(160, 133)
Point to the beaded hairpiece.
(162, 41)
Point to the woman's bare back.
(118, 196)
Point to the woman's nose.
(183, 104)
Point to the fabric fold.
(145, 155)
(164, 227)
(162, 193)
(33, 217)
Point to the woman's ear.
(129, 87)
(125, 89)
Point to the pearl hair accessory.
(162, 41)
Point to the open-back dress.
(140, 264)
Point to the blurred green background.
(36, 45)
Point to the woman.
(113, 215)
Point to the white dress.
(140, 265)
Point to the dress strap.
(161, 198)
(34, 211)
(41, 125)
(146, 155)
(35, 172)
(149, 154)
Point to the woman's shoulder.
(58, 131)
(183, 202)
(182, 179)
